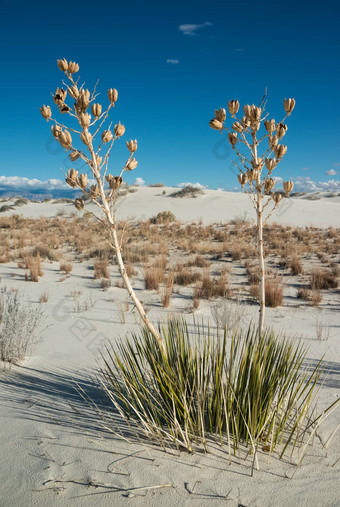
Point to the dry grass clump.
(167, 291)
(211, 288)
(33, 264)
(163, 217)
(153, 277)
(322, 279)
(296, 265)
(184, 276)
(44, 296)
(66, 267)
(101, 269)
(273, 291)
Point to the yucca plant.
(255, 169)
(97, 142)
(251, 389)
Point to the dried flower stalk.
(95, 152)
(255, 170)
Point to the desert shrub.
(44, 296)
(101, 269)
(66, 267)
(18, 327)
(163, 217)
(105, 283)
(167, 291)
(304, 293)
(295, 265)
(250, 389)
(186, 277)
(188, 191)
(153, 276)
(211, 288)
(273, 292)
(323, 280)
(228, 314)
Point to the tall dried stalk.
(244, 131)
(103, 190)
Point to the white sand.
(50, 454)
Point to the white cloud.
(191, 29)
(307, 185)
(139, 182)
(331, 172)
(173, 61)
(22, 182)
(195, 185)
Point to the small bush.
(163, 217)
(18, 327)
(211, 288)
(101, 269)
(66, 267)
(188, 191)
(323, 280)
(44, 296)
(186, 277)
(296, 266)
(153, 277)
(273, 292)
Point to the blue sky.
(170, 79)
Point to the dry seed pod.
(270, 125)
(73, 67)
(98, 160)
(270, 164)
(64, 108)
(280, 150)
(108, 177)
(255, 113)
(65, 139)
(79, 203)
(131, 165)
(59, 96)
(257, 164)
(273, 141)
(281, 129)
(85, 120)
(116, 182)
(119, 130)
(86, 137)
(232, 138)
(233, 107)
(107, 136)
(46, 112)
(132, 145)
(255, 125)
(220, 114)
(245, 122)
(56, 131)
(247, 111)
(112, 95)
(82, 180)
(252, 174)
(237, 127)
(269, 184)
(62, 64)
(289, 105)
(71, 178)
(96, 110)
(73, 91)
(277, 196)
(242, 178)
(215, 124)
(74, 155)
(288, 186)
(94, 191)
(83, 100)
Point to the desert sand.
(54, 451)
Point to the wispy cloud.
(191, 29)
(331, 172)
(173, 61)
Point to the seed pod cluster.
(84, 120)
(281, 130)
(83, 101)
(269, 184)
(74, 155)
(86, 137)
(220, 114)
(280, 150)
(130, 166)
(59, 96)
(112, 95)
(115, 182)
(79, 203)
(289, 105)
(215, 124)
(242, 178)
(277, 196)
(270, 164)
(107, 136)
(270, 126)
(46, 112)
(232, 138)
(65, 139)
(119, 130)
(82, 181)
(96, 110)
